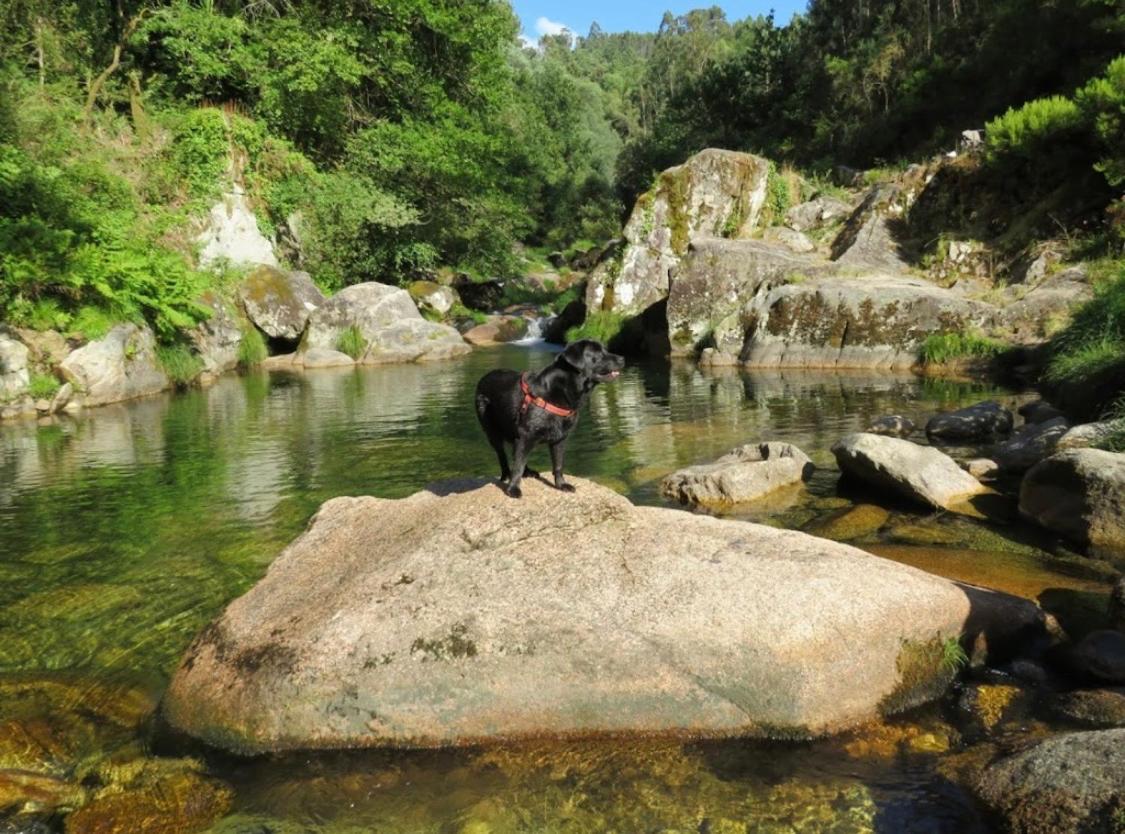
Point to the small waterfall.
(536, 328)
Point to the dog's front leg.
(520, 450)
(558, 453)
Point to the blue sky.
(544, 16)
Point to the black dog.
(531, 408)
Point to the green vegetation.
(43, 386)
(179, 363)
(351, 342)
(600, 325)
(941, 348)
(953, 655)
(1094, 341)
(252, 349)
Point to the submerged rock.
(742, 474)
(893, 425)
(120, 366)
(975, 422)
(388, 322)
(852, 523)
(919, 473)
(1070, 784)
(456, 615)
(714, 193)
(1080, 494)
(280, 302)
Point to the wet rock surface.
(384, 618)
(918, 473)
(1096, 708)
(743, 474)
(893, 425)
(977, 422)
(1030, 444)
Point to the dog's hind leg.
(519, 463)
(497, 443)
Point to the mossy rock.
(986, 706)
(22, 792)
(852, 523)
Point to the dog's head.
(593, 362)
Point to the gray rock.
(231, 235)
(1080, 494)
(971, 140)
(62, 397)
(919, 473)
(388, 321)
(218, 339)
(449, 617)
(1033, 315)
(868, 237)
(434, 297)
(983, 469)
(1069, 784)
(1038, 411)
(1088, 435)
(324, 358)
(790, 239)
(14, 375)
(714, 193)
(976, 422)
(1100, 656)
(46, 348)
(1095, 708)
(278, 302)
(893, 425)
(1030, 444)
(711, 358)
(120, 366)
(743, 474)
(1117, 605)
(816, 213)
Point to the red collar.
(550, 408)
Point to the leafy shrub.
(1032, 131)
(351, 342)
(252, 349)
(1102, 101)
(946, 347)
(90, 323)
(43, 386)
(179, 362)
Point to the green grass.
(351, 342)
(953, 656)
(941, 348)
(91, 323)
(601, 325)
(252, 349)
(43, 386)
(180, 363)
(1094, 341)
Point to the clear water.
(123, 532)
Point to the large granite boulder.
(918, 473)
(460, 615)
(279, 302)
(1089, 435)
(869, 236)
(1029, 444)
(434, 297)
(1033, 315)
(14, 376)
(975, 422)
(120, 366)
(1070, 784)
(817, 212)
(389, 323)
(218, 339)
(1080, 494)
(743, 474)
(714, 193)
(775, 308)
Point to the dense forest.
(416, 134)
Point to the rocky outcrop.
(279, 302)
(868, 236)
(1032, 315)
(390, 325)
(975, 422)
(743, 474)
(774, 308)
(1070, 784)
(1080, 494)
(1030, 444)
(432, 296)
(120, 366)
(817, 212)
(232, 236)
(217, 340)
(716, 193)
(14, 376)
(497, 329)
(791, 240)
(452, 616)
(918, 473)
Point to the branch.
(99, 82)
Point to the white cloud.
(546, 26)
(528, 43)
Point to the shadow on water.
(123, 532)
